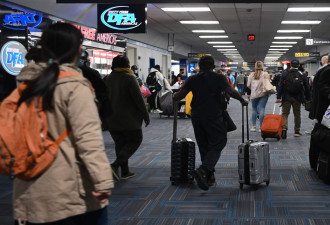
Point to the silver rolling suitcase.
(253, 159)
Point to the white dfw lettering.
(122, 19)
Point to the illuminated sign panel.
(251, 37)
(121, 18)
(198, 55)
(13, 57)
(307, 54)
(20, 20)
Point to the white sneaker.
(158, 111)
(253, 129)
(151, 110)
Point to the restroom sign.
(13, 57)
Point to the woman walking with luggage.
(258, 97)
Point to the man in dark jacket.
(294, 98)
(321, 92)
(207, 116)
(128, 112)
(98, 84)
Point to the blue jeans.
(258, 108)
(98, 217)
(241, 88)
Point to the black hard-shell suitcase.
(323, 166)
(253, 159)
(182, 155)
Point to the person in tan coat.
(76, 187)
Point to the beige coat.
(81, 166)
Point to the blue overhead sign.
(20, 20)
(121, 18)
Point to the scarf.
(128, 70)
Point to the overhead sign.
(191, 67)
(307, 54)
(251, 37)
(125, 18)
(20, 20)
(198, 55)
(317, 41)
(189, 1)
(13, 57)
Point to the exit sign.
(251, 37)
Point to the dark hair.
(60, 43)
(157, 67)
(84, 55)
(35, 54)
(206, 63)
(120, 61)
(134, 67)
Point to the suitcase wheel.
(267, 182)
(241, 186)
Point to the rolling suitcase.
(182, 155)
(272, 126)
(253, 159)
(323, 166)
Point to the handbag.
(145, 91)
(267, 87)
(228, 121)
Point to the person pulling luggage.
(207, 117)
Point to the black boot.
(115, 173)
(125, 173)
(283, 134)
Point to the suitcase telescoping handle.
(247, 123)
(175, 121)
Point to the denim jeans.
(241, 88)
(258, 108)
(98, 217)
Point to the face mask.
(80, 63)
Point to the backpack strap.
(63, 135)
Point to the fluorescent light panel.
(219, 42)
(288, 37)
(232, 49)
(280, 49)
(293, 31)
(224, 46)
(284, 42)
(309, 9)
(208, 31)
(199, 22)
(301, 22)
(221, 36)
(281, 46)
(187, 9)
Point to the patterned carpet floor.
(295, 195)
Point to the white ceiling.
(237, 19)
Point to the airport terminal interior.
(175, 36)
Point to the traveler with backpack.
(293, 90)
(75, 185)
(155, 81)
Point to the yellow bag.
(188, 101)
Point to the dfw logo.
(119, 18)
(12, 57)
(20, 21)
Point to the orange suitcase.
(272, 126)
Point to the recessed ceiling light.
(219, 42)
(199, 22)
(284, 42)
(208, 31)
(293, 31)
(275, 52)
(301, 22)
(232, 49)
(187, 9)
(221, 36)
(290, 37)
(224, 46)
(272, 57)
(309, 9)
(281, 46)
(280, 49)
